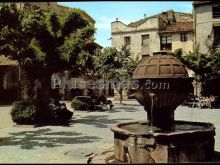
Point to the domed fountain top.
(166, 77)
(160, 66)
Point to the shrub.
(24, 112)
(82, 103)
(76, 92)
(102, 99)
(60, 114)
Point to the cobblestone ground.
(88, 133)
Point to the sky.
(105, 12)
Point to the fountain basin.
(188, 142)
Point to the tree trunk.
(199, 80)
(43, 98)
(119, 92)
(28, 89)
(121, 95)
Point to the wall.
(183, 17)
(9, 83)
(203, 23)
(136, 47)
(53, 6)
(120, 30)
(186, 46)
(118, 26)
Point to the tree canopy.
(205, 66)
(201, 64)
(43, 42)
(117, 65)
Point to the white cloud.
(105, 22)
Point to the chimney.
(116, 19)
(145, 15)
(170, 16)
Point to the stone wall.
(9, 84)
(186, 46)
(203, 24)
(52, 6)
(120, 30)
(158, 147)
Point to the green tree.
(118, 66)
(205, 66)
(44, 43)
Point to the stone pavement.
(88, 133)
(5, 117)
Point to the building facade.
(9, 80)
(177, 35)
(140, 37)
(161, 32)
(206, 16)
(207, 25)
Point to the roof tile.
(201, 2)
(179, 26)
(162, 14)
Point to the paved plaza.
(89, 132)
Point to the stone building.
(11, 74)
(206, 16)
(51, 6)
(165, 31)
(207, 25)
(9, 80)
(180, 34)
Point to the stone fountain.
(161, 84)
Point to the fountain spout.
(152, 95)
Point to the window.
(127, 40)
(216, 36)
(216, 11)
(145, 55)
(183, 37)
(27, 6)
(166, 43)
(145, 39)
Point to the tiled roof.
(137, 23)
(201, 2)
(98, 45)
(141, 21)
(178, 27)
